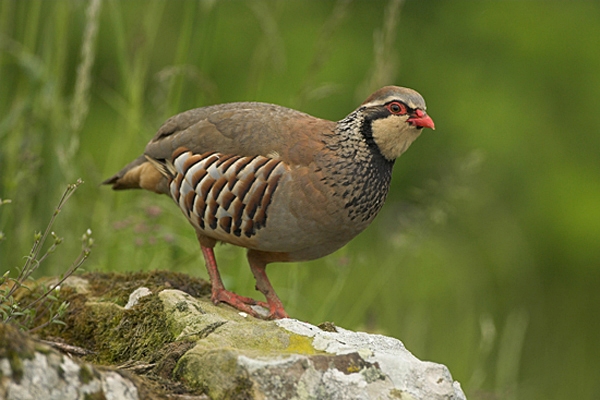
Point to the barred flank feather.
(224, 193)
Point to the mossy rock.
(160, 332)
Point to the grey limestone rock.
(290, 359)
(44, 373)
(182, 346)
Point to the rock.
(157, 335)
(245, 357)
(409, 375)
(136, 295)
(31, 371)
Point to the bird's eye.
(397, 108)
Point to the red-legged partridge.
(283, 184)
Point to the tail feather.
(117, 180)
(142, 173)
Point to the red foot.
(225, 296)
(222, 295)
(277, 313)
(244, 304)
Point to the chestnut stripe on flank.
(211, 218)
(225, 224)
(210, 161)
(260, 218)
(254, 201)
(210, 213)
(236, 213)
(248, 229)
(241, 164)
(268, 168)
(197, 177)
(257, 164)
(175, 193)
(189, 162)
(205, 186)
(200, 207)
(223, 158)
(217, 187)
(228, 163)
(261, 215)
(207, 154)
(189, 202)
(179, 151)
(227, 199)
(244, 186)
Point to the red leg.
(258, 267)
(220, 294)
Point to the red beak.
(421, 120)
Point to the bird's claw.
(245, 304)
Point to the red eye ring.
(397, 108)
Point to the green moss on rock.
(97, 321)
(15, 347)
(116, 287)
(86, 374)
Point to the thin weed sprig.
(45, 305)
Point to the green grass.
(485, 256)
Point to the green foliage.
(485, 256)
(29, 308)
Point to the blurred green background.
(486, 256)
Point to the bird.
(281, 183)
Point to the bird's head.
(394, 117)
